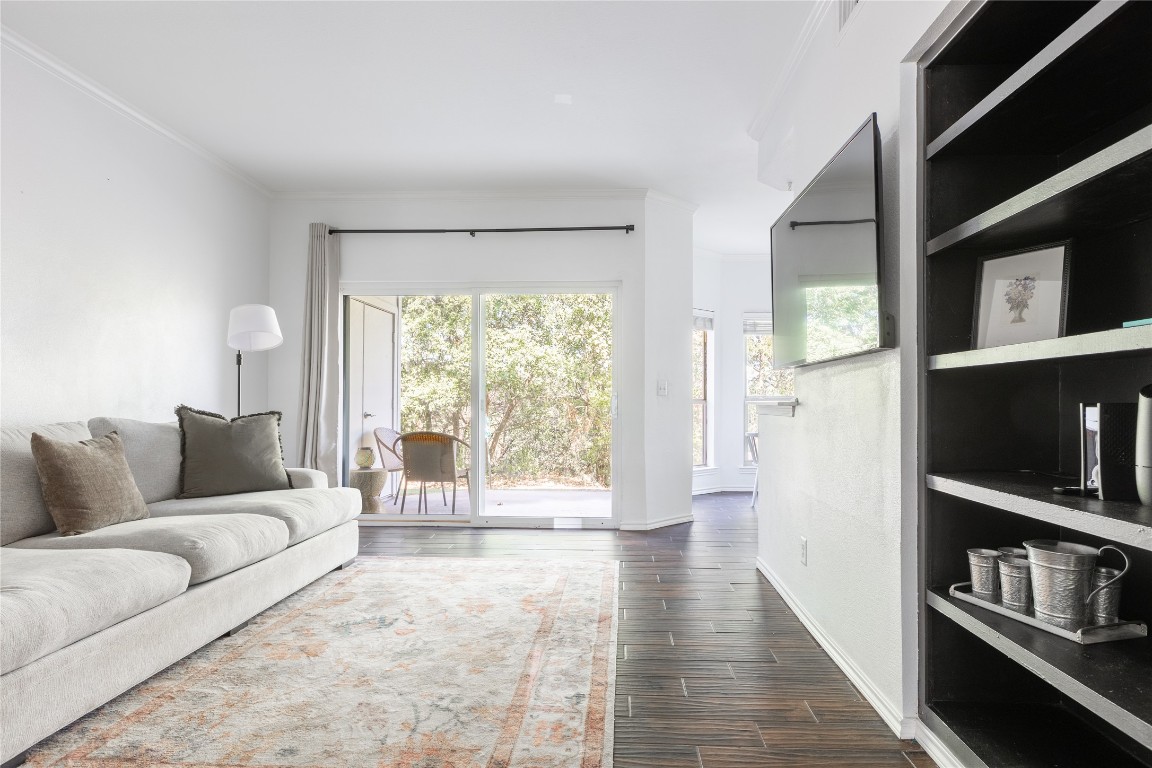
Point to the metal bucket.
(1015, 583)
(1104, 607)
(1062, 580)
(985, 580)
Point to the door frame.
(477, 290)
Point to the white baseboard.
(653, 524)
(904, 727)
(936, 749)
(721, 489)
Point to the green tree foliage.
(842, 320)
(549, 382)
(761, 379)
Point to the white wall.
(836, 478)
(729, 286)
(652, 267)
(122, 253)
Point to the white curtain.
(319, 380)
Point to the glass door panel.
(548, 405)
(436, 395)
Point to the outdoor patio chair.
(429, 457)
(389, 458)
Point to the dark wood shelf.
(1036, 125)
(1110, 189)
(1060, 98)
(1031, 495)
(1112, 680)
(1121, 341)
(1028, 735)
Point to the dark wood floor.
(713, 670)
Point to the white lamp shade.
(253, 327)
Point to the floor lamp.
(251, 328)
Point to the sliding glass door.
(548, 405)
(521, 382)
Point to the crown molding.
(465, 195)
(49, 63)
(799, 50)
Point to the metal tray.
(1101, 633)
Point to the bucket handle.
(1116, 578)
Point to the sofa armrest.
(307, 478)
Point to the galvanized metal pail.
(985, 580)
(1062, 580)
(1015, 583)
(1104, 606)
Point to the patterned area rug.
(393, 663)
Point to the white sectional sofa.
(84, 618)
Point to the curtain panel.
(320, 378)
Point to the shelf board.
(1123, 522)
(1109, 189)
(1114, 342)
(1112, 680)
(994, 125)
(1025, 735)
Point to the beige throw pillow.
(86, 485)
(220, 456)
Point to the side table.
(370, 482)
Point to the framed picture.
(1021, 296)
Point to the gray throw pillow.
(220, 456)
(86, 485)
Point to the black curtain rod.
(626, 228)
(794, 224)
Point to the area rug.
(392, 663)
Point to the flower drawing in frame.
(1020, 296)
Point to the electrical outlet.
(803, 551)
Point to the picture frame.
(1021, 296)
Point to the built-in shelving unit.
(1037, 128)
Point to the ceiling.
(373, 97)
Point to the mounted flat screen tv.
(827, 281)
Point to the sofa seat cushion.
(213, 546)
(306, 512)
(51, 599)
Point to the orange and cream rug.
(392, 663)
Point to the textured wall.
(833, 474)
(122, 255)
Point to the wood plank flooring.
(713, 669)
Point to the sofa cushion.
(87, 484)
(22, 510)
(52, 599)
(306, 512)
(213, 546)
(221, 456)
(152, 451)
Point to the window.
(762, 382)
(701, 388)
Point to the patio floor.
(508, 502)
